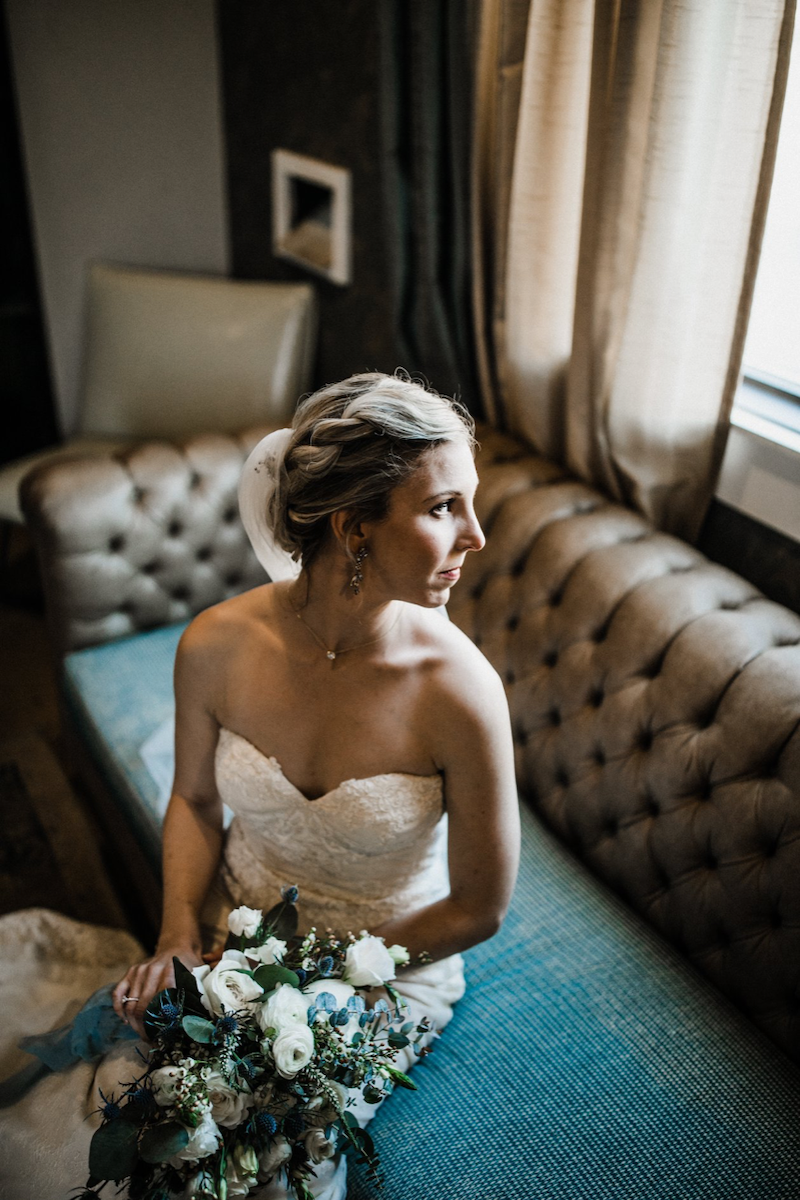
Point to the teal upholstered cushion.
(118, 695)
(588, 1062)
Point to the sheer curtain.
(614, 278)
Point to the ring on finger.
(130, 999)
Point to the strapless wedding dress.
(367, 851)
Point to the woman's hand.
(144, 980)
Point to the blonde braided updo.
(351, 444)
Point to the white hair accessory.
(258, 481)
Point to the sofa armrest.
(141, 538)
(655, 703)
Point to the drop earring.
(358, 575)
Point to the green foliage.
(270, 975)
(282, 920)
(401, 1080)
(160, 1142)
(113, 1150)
(198, 1028)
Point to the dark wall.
(305, 76)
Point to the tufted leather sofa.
(655, 696)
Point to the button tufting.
(554, 716)
(194, 480)
(612, 827)
(556, 598)
(174, 528)
(562, 779)
(711, 862)
(597, 697)
(229, 515)
(654, 669)
(203, 554)
(645, 739)
(512, 623)
(653, 807)
(151, 567)
(232, 578)
(116, 543)
(706, 790)
(600, 634)
(180, 593)
(550, 659)
(138, 494)
(521, 737)
(510, 677)
(519, 566)
(776, 920)
(600, 756)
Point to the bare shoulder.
(464, 693)
(223, 631)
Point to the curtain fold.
(643, 154)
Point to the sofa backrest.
(655, 702)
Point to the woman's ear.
(346, 535)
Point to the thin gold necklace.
(334, 654)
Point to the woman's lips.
(452, 575)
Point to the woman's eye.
(443, 507)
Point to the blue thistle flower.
(109, 1108)
(265, 1123)
(290, 895)
(227, 1025)
(325, 965)
(301, 975)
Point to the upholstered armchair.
(169, 355)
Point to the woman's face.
(416, 551)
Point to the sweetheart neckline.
(273, 761)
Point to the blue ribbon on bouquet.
(91, 1034)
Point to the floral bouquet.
(252, 1061)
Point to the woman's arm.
(469, 718)
(192, 836)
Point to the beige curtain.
(614, 277)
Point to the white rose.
(293, 1050)
(225, 989)
(285, 1007)
(239, 1176)
(244, 921)
(228, 1105)
(400, 955)
(165, 1084)
(318, 1146)
(272, 951)
(203, 1140)
(368, 963)
(273, 1158)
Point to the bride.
(361, 740)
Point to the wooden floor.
(51, 851)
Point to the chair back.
(169, 355)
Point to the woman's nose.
(473, 538)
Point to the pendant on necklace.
(331, 654)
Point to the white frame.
(286, 166)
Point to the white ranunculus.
(228, 1105)
(400, 955)
(272, 951)
(244, 921)
(203, 1140)
(292, 1050)
(368, 963)
(165, 1082)
(284, 1007)
(225, 989)
(272, 1159)
(318, 1146)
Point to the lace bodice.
(366, 851)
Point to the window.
(771, 364)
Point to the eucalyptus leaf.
(270, 975)
(398, 1039)
(113, 1151)
(198, 1029)
(402, 1080)
(160, 1142)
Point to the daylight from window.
(772, 349)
